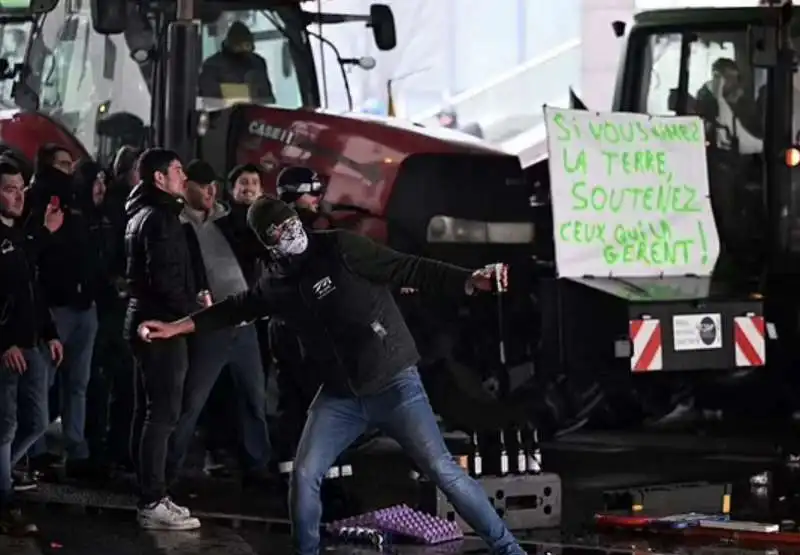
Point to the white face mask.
(292, 243)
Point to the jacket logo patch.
(6, 247)
(323, 288)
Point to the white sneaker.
(165, 515)
(184, 511)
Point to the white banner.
(630, 195)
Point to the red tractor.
(94, 75)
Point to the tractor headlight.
(444, 229)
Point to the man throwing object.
(334, 288)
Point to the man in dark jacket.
(226, 263)
(161, 285)
(335, 289)
(26, 329)
(67, 271)
(234, 67)
(302, 189)
(109, 401)
(52, 163)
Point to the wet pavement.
(594, 472)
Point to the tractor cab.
(730, 67)
(100, 86)
(735, 69)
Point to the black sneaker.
(45, 463)
(24, 481)
(13, 523)
(261, 479)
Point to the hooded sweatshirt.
(106, 231)
(220, 264)
(67, 264)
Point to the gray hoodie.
(225, 276)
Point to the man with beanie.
(335, 289)
(226, 264)
(234, 68)
(161, 285)
(302, 189)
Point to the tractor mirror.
(26, 8)
(381, 20)
(109, 17)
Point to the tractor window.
(717, 82)
(12, 49)
(721, 86)
(83, 76)
(230, 73)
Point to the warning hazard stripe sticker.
(750, 341)
(646, 338)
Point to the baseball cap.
(200, 172)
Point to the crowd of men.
(63, 284)
(150, 246)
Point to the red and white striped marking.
(750, 340)
(646, 338)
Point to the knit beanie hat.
(265, 215)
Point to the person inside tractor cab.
(302, 189)
(731, 115)
(236, 73)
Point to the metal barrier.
(511, 104)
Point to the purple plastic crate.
(402, 520)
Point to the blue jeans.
(402, 411)
(238, 349)
(77, 330)
(23, 413)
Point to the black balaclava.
(265, 215)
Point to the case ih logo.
(273, 133)
(262, 129)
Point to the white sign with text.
(630, 195)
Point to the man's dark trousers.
(237, 348)
(161, 368)
(109, 399)
(23, 412)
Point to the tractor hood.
(457, 139)
(24, 132)
(363, 147)
(386, 168)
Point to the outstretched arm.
(262, 300)
(380, 264)
(244, 307)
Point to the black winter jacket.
(46, 183)
(158, 264)
(24, 318)
(241, 69)
(106, 227)
(68, 267)
(337, 297)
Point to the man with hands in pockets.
(334, 288)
